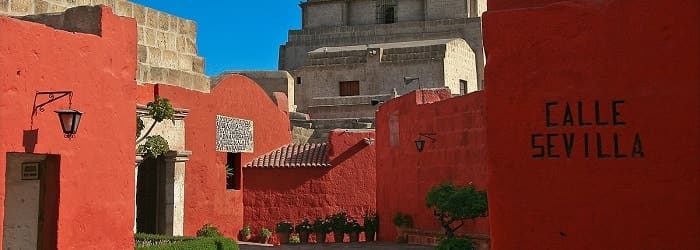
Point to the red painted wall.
(273, 195)
(96, 183)
(639, 61)
(206, 197)
(405, 175)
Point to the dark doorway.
(150, 196)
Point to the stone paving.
(361, 245)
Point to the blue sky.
(235, 34)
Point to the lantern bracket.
(53, 96)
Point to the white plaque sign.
(234, 135)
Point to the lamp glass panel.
(419, 145)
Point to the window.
(349, 88)
(386, 11)
(298, 80)
(463, 87)
(234, 171)
(473, 8)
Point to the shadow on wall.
(347, 154)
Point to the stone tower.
(336, 23)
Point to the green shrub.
(245, 231)
(294, 240)
(453, 204)
(403, 220)
(339, 221)
(284, 227)
(162, 242)
(371, 222)
(209, 230)
(304, 227)
(321, 225)
(265, 232)
(455, 244)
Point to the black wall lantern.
(69, 118)
(420, 142)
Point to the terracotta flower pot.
(354, 236)
(284, 237)
(304, 237)
(369, 235)
(320, 237)
(243, 237)
(338, 236)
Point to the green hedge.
(160, 242)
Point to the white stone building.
(439, 42)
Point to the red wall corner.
(458, 154)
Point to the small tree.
(453, 205)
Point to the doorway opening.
(31, 201)
(150, 183)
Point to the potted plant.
(353, 229)
(303, 229)
(265, 235)
(402, 221)
(244, 234)
(321, 227)
(283, 229)
(371, 224)
(339, 223)
(230, 175)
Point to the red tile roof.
(294, 156)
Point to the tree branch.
(147, 133)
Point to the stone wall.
(293, 54)
(358, 12)
(272, 81)
(437, 63)
(457, 55)
(167, 50)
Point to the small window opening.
(234, 171)
(463, 87)
(298, 80)
(386, 11)
(349, 88)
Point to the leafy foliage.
(403, 220)
(284, 227)
(139, 126)
(230, 171)
(322, 225)
(264, 232)
(162, 242)
(209, 230)
(353, 226)
(154, 146)
(160, 109)
(455, 244)
(339, 221)
(453, 204)
(245, 230)
(294, 240)
(370, 221)
(304, 227)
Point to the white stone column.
(174, 192)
